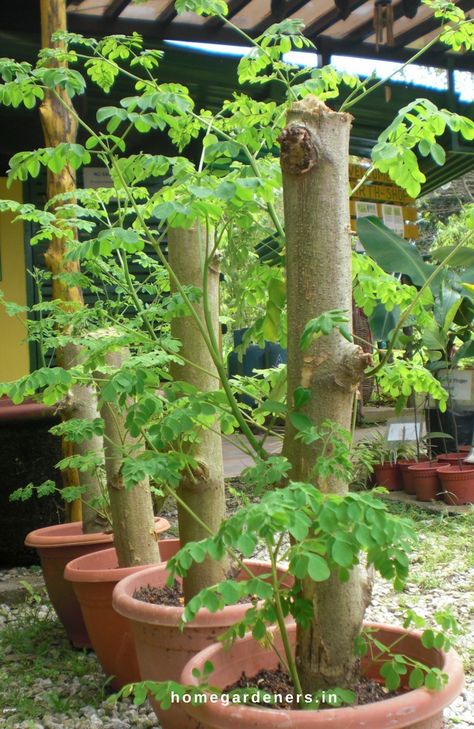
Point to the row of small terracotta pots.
(137, 640)
(448, 478)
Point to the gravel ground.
(43, 679)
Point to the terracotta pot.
(56, 546)
(407, 482)
(450, 457)
(464, 448)
(425, 481)
(458, 484)
(388, 474)
(93, 578)
(418, 709)
(162, 648)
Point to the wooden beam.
(426, 26)
(323, 23)
(115, 8)
(292, 7)
(167, 16)
(366, 29)
(234, 7)
(154, 32)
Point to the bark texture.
(315, 163)
(60, 126)
(203, 492)
(82, 404)
(131, 508)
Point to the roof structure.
(335, 26)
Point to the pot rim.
(407, 464)
(167, 615)
(80, 570)
(426, 703)
(455, 470)
(65, 535)
(427, 466)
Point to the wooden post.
(60, 126)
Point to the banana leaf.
(463, 258)
(391, 252)
(382, 322)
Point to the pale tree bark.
(131, 508)
(315, 162)
(82, 404)
(203, 491)
(60, 126)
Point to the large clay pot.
(93, 578)
(56, 546)
(388, 474)
(425, 481)
(458, 484)
(404, 467)
(162, 648)
(418, 709)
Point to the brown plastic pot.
(93, 578)
(424, 479)
(162, 648)
(458, 484)
(418, 709)
(407, 482)
(388, 474)
(56, 546)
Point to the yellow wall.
(14, 356)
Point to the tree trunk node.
(315, 168)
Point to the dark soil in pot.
(278, 683)
(412, 709)
(162, 646)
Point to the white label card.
(404, 432)
(392, 216)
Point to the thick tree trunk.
(60, 126)
(131, 508)
(82, 404)
(203, 492)
(315, 163)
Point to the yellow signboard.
(381, 197)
